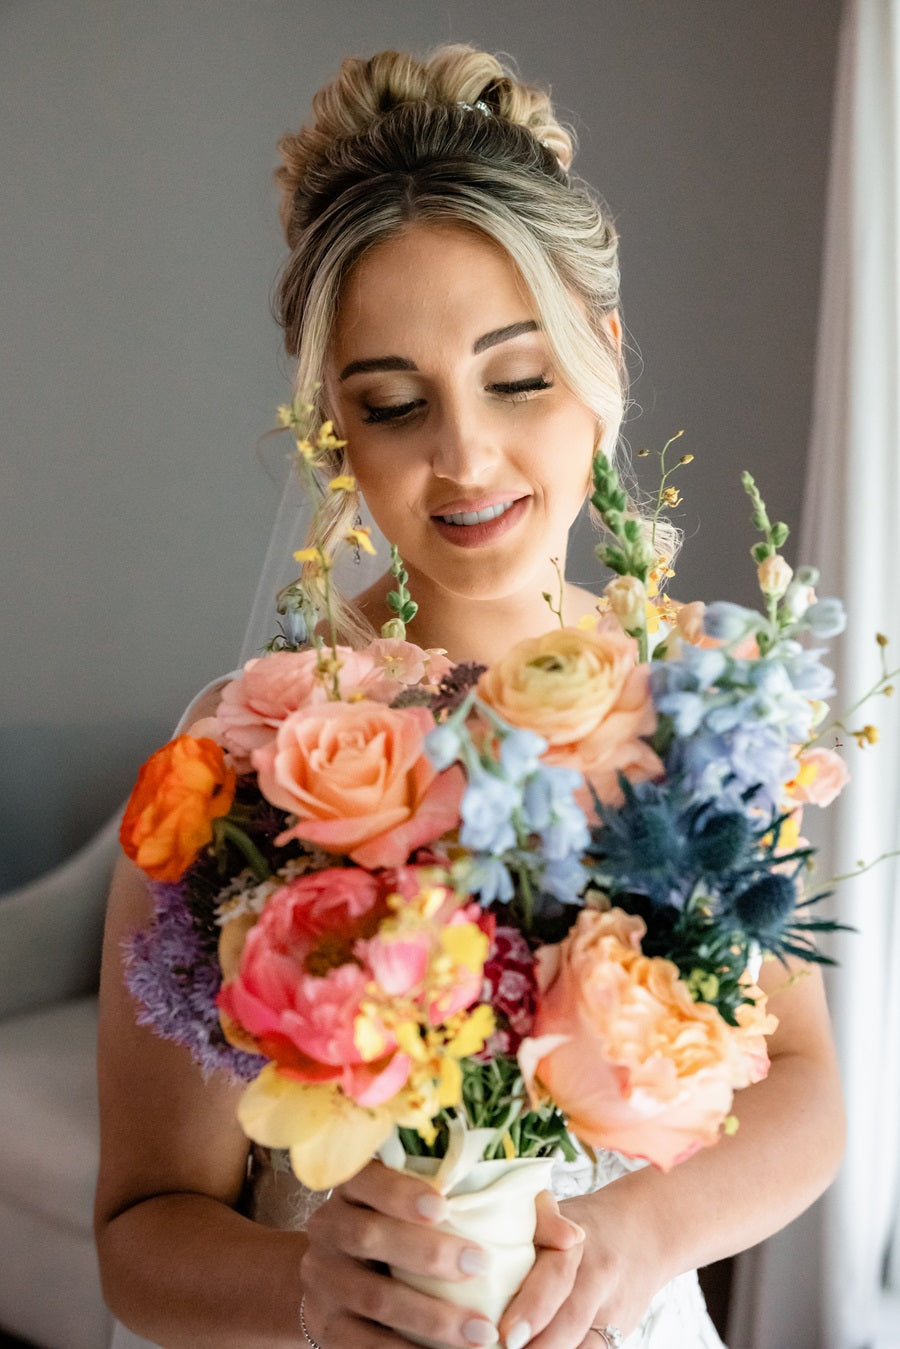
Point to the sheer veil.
(354, 571)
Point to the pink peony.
(299, 986)
(358, 780)
(621, 1047)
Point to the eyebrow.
(491, 339)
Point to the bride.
(453, 294)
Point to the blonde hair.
(449, 137)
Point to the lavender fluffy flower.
(175, 979)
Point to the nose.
(466, 443)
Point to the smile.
(477, 517)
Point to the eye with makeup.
(519, 389)
(515, 391)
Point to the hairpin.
(478, 106)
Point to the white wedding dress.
(676, 1318)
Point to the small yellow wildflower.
(867, 735)
(671, 496)
(344, 482)
(361, 538)
(327, 440)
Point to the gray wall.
(139, 364)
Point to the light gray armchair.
(50, 938)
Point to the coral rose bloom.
(180, 790)
(585, 694)
(634, 1063)
(358, 780)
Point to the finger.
(369, 1235)
(372, 1298)
(553, 1228)
(546, 1289)
(397, 1193)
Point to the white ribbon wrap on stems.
(491, 1203)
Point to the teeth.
(477, 517)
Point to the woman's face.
(472, 455)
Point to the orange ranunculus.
(585, 693)
(180, 790)
(621, 1047)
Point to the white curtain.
(832, 1281)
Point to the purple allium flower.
(174, 977)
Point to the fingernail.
(431, 1206)
(519, 1335)
(479, 1332)
(474, 1261)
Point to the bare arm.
(183, 1268)
(179, 1265)
(648, 1227)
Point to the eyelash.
(516, 390)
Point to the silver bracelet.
(314, 1344)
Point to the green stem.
(226, 830)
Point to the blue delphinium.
(729, 725)
(519, 815)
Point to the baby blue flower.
(520, 753)
(564, 879)
(487, 807)
(727, 622)
(826, 618)
(442, 745)
(490, 880)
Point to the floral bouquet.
(474, 918)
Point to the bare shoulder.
(579, 603)
(204, 703)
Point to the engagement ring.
(610, 1335)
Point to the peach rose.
(270, 688)
(584, 692)
(621, 1047)
(180, 790)
(821, 776)
(358, 780)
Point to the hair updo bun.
(365, 89)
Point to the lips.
(480, 517)
(471, 524)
